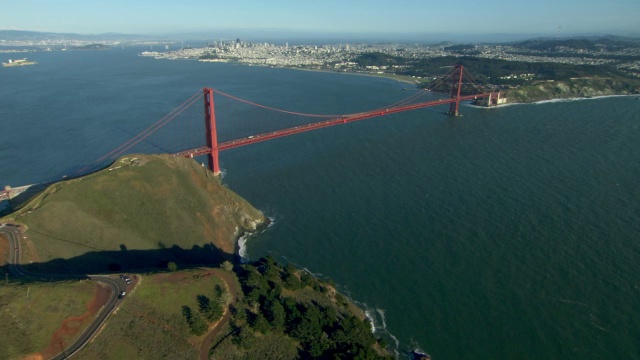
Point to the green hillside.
(151, 211)
(285, 313)
(36, 318)
(583, 87)
(142, 210)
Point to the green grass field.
(154, 203)
(28, 323)
(149, 324)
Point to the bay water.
(507, 233)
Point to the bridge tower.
(455, 90)
(212, 134)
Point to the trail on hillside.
(233, 291)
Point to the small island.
(19, 62)
(92, 47)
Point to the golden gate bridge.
(457, 75)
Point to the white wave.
(367, 313)
(316, 275)
(242, 240)
(578, 99)
(242, 248)
(550, 101)
(272, 221)
(384, 327)
(384, 322)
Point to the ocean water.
(507, 233)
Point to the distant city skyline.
(357, 18)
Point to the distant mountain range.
(608, 42)
(575, 42)
(18, 35)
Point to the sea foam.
(577, 99)
(242, 241)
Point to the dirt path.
(72, 326)
(229, 281)
(4, 250)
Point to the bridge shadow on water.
(124, 261)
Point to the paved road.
(116, 284)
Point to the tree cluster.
(378, 59)
(326, 331)
(208, 311)
(493, 71)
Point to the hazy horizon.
(357, 20)
(297, 37)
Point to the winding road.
(13, 233)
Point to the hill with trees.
(167, 217)
(286, 313)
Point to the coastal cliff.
(573, 88)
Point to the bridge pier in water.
(212, 134)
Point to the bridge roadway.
(322, 124)
(12, 233)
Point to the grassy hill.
(263, 311)
(37, 318)
(583, 87)
(147, 210)
(150, 324)
(143, 210)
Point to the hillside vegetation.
(253, 311)
(151, 323)
(143, 210)
(147, 210)
(573, 88)
(40, 317)
(288, 314)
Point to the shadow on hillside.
(125, 260)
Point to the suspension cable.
(149, 130)
(474, 81)
(274, 109)
(154, 130)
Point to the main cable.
(170, 116)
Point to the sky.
(356, 17)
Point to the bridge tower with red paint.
(455, 90)
(211, 132)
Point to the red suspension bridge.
(457, 75)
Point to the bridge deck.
(321, 124)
